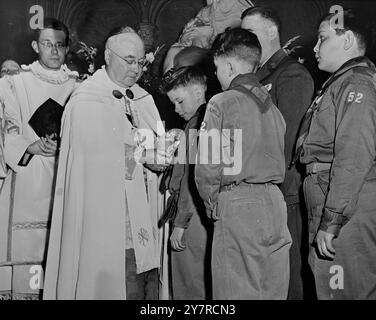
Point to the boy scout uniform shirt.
(189, 202)
(342, 132)
(247, 107)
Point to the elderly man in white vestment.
(29, 164)
(3, 166)
(104, 241)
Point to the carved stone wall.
(160, 21)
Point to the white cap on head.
(125, 34)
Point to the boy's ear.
(273, 32)
(230, 68)
(349, 40)
(198, 91)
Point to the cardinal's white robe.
(86, 256)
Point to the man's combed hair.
(352, 20)
(266, 13)
(182, 77)
(119, 30)
(52, 23)
(238, 43)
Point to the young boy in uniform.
(237, 175)
(337, 145)
(190, 257)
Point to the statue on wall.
(211, 20)
(148, 33)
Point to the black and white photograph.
(190, 153)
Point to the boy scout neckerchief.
(249, 85)
(307, 119)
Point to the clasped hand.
(45, 146)
(176, 239)
(324, 241)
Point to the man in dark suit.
(291, 88)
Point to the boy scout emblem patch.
(268, 86)
(214, 111)
(213, 108)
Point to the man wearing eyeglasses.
(51, 53)
(104, 241)
(26, 195)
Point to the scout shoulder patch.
(355, 96)
(213, 108)
(203, 126)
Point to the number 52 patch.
(353, 96)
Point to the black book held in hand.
(46, 120)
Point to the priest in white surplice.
(30, 163)
(104, 241)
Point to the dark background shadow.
(91, 20)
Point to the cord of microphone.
(129, 93)
(118, 95)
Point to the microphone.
(128, 110)
(129, 94)
(118, 95)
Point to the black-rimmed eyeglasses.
(50, 45)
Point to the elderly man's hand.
(156, 160)
(155, 156)
(324, 241)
